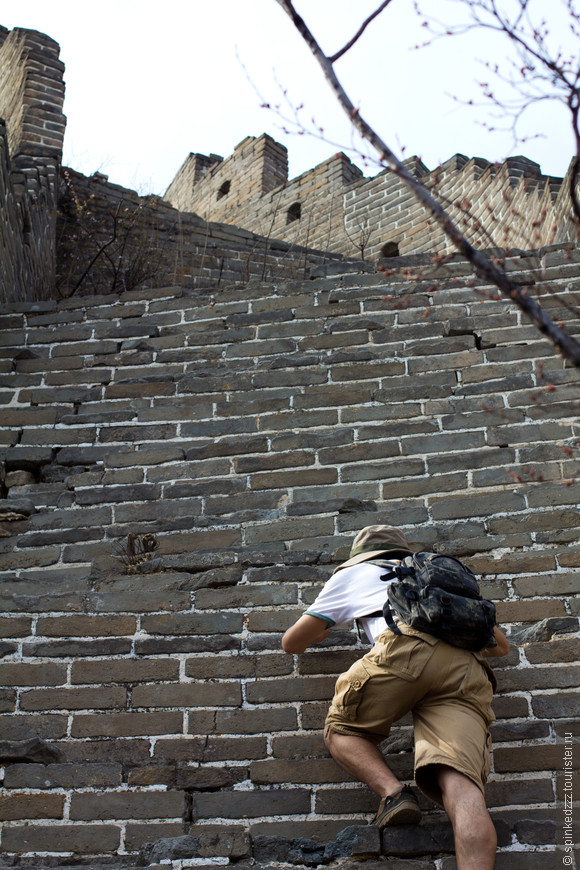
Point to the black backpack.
(439, 595)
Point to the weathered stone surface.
(34, 750)
(169, 849)
(12, 509)
(543, 630)
(359, 841)
(308, 853)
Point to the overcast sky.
(148, 82)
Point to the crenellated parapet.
(334, 207)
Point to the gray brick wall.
(31, 137)
(252, 435)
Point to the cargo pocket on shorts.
(349, 690)
(477, 690)
(405, 655)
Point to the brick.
(250, 464)
(196, 541)
(31, 806)
(256, 721)
(282, 479)
(560, 705)
(25, 674)
(148, 456)
(273, 620)
(383, 470)
(516, 679)
(74, 648)
(158, 511)
(79, 839)
(114, 494)
(507, 707)
(187, 695)
(38, 558)
(422, 386)
(300, 689)
(205, 778)
(359, 452)
(246, 596)
(320, 831)
(533, 729)
(422, 486)
(476, 504)
(211, 750)
(192, 623)
(127, 805)
(296, 771)
(158, 774)
(500, 793)
(48, 726)
(320, 662)
(208, 644)
(180, 749)
(73, 699)
(124, 671)
(557, 494)
(19, 626)
(513, 563)
(126, 724)
(522, 758)
(45, 776)
(251, 804)
(302, 746)
(234, 748)
(137, 601)
(137, 835)
(536, 522)
(242, 507)
(8, 699)
(529, 611)
(289, 530)
(557, 650)
(224, 667)
(86, 626)
(346, 800)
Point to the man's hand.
(307, 631)
(503, 644)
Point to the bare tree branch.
(359, 33)
(540, 74)
(564, 343)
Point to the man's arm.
(305, 632)
(503, 644)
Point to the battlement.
(234, 218)
(335, 207)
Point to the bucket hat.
(373, 541)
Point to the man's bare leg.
(473, 829)
(363, 760)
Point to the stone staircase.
(181, 473)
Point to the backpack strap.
(388, 614)
(385, 612)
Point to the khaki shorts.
(448, 690)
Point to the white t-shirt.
(352, 593)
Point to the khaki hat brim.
(372, 554)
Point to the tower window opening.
(224, 189)
(294, 213)
(390, 249)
